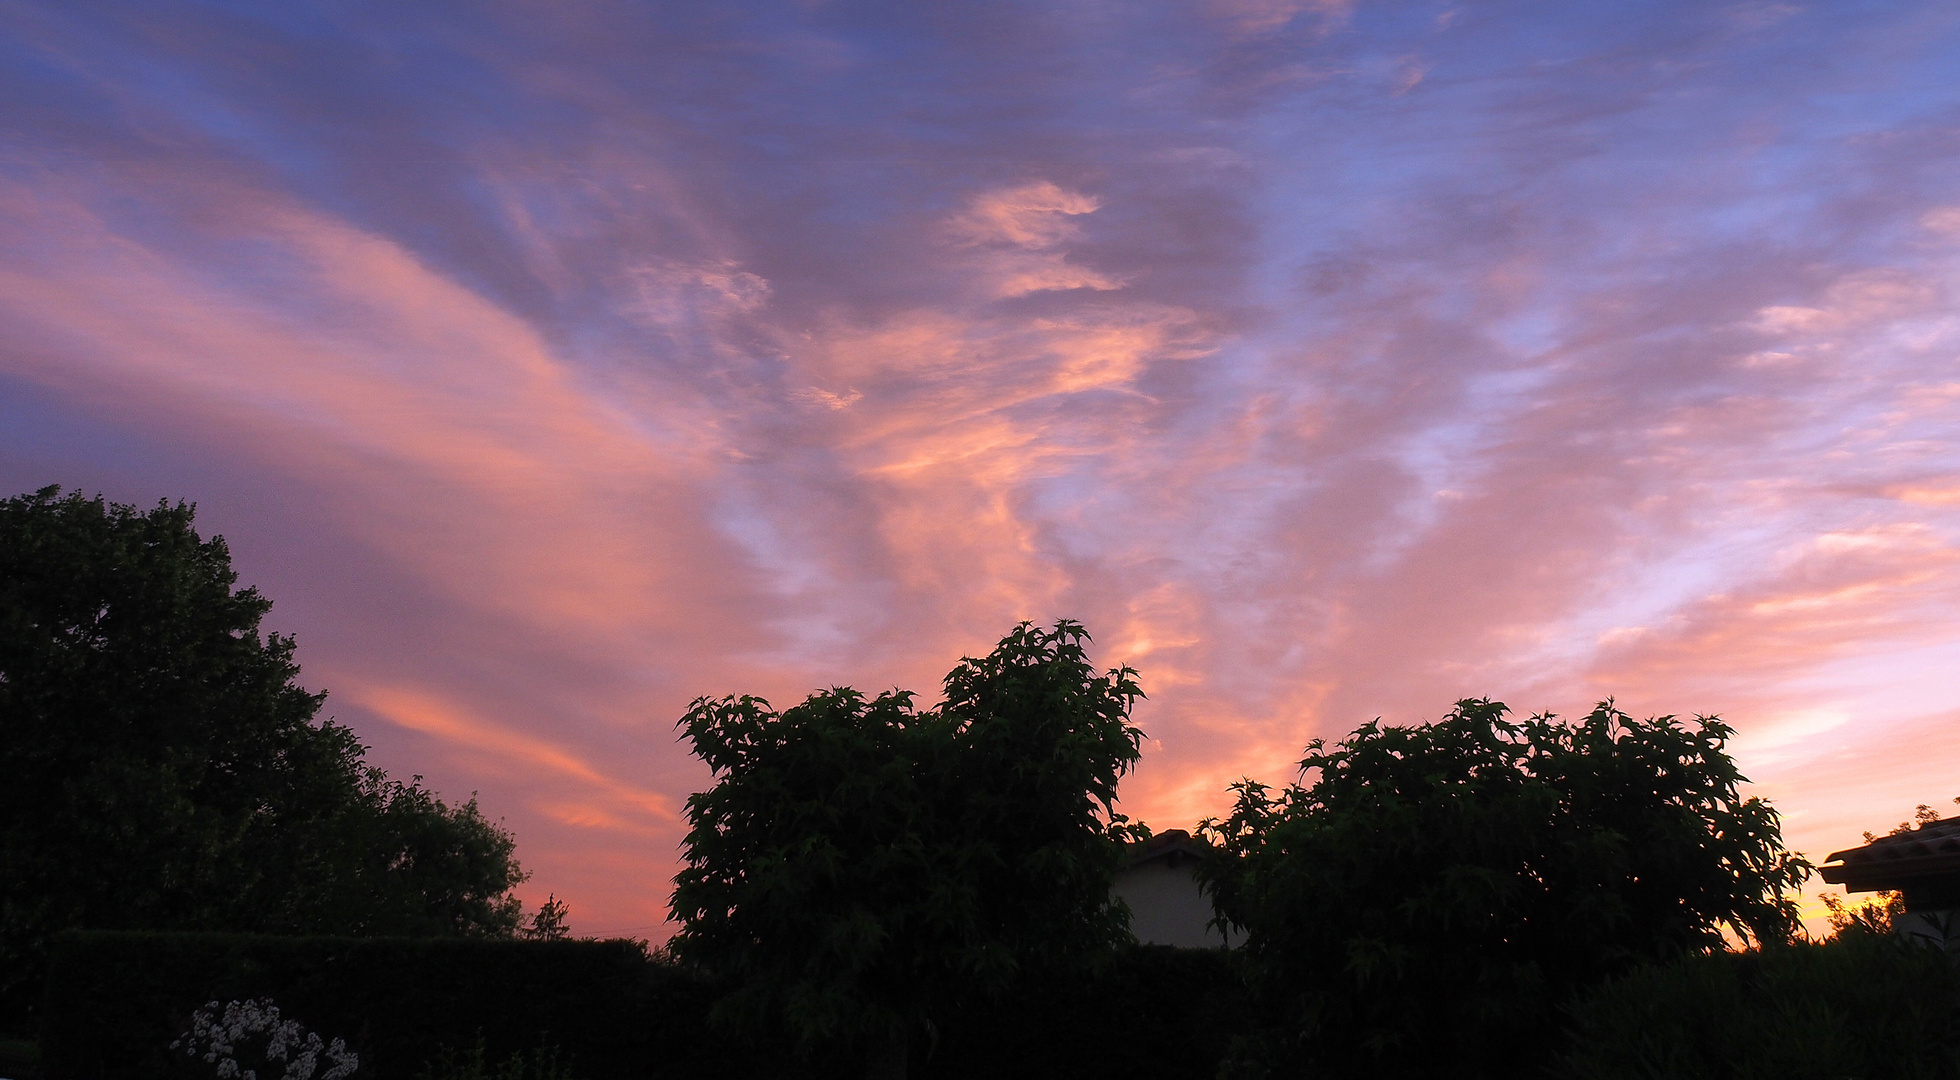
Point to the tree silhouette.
(1435, 894)
(163, 767)
(865, 868)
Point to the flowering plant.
(217, 1038)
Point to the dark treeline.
(888, 888)
(875, 889)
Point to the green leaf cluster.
(164, 769)
(1435, 893)
(864, 867)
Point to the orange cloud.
(1019, 230)
(421, 711)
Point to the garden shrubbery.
(1150, 1012)
(450, 1009)
(116, 1000)
(1858, 1005)
(1427, 898)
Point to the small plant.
(225, 1039)
(1878, 916)
(475, 1064)
(549, 923)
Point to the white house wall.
(1167, 906)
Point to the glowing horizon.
(552, 365)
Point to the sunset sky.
(552, 364)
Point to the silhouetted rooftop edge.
(1931, 850)
(1173, 845)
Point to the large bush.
(1427, 903)
(868, 871)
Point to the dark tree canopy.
(864, 867)
(1437, 893)
(163, 768)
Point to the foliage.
(253, 1031)
(476, 1063)
(1148, 1012)
(1437, 891)
(865, 868)
(1859, 1005)
(615, 1010)
(1876, 916)
(116, 999)
(549, 922)
(21, 1059)
(1921, 815)
(164, 767)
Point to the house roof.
(1890, 862)
(1171, 845)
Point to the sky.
(551, 365)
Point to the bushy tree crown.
(163, 767)
(864, 866)
(1435, 893)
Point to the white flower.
(219, 1036)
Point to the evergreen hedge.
(115, 1001)
(1858, 1006)
(1151, 1012)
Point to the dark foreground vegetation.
(1446, 899)
(1859, 1005)
(608, 1010)
(164, 770)
(1435, 895)
(874, 889)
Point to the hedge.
(117, 999)
(1152, 1013)
(1860, 1006)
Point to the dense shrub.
(442, 1007)
(1429, 896)
(1858, 1006)
(116, 1000)
(1151, 1013)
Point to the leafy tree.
(163, 767)
(864, 867)
(1432, 898)
(549, 922)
